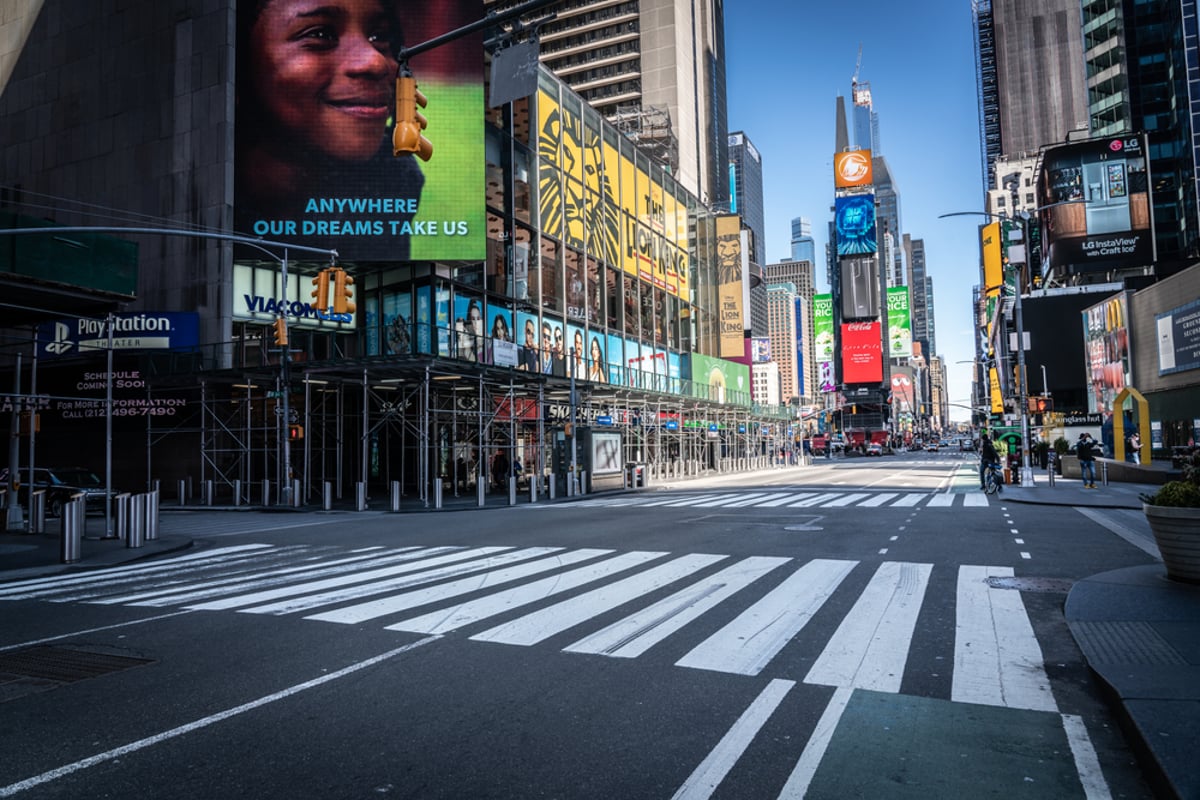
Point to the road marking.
(844, 501)
(1025, 555)
(749, 642)
(879, 499)
(544, 623)
(712, 770)
(997, 659)
(910, 499)
(455, 617)
(801, 777)
(149, 741)
(870, 647)
(974, 500)
(941, 500)
(637, 633)
(778, 501)
(812, 500)
(735, 500)
(1087, 765)
(398, 575)
(1143, 543)
(1018, 541)
(442, 591)
(35, 642)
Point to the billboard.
(902, 391)
(760, 350)
(313, 133)
(823, 340)
(720, 380)
(852, 169)
(1106, 344)
(1095, 212)
(859, 288)
(899, 322)
(1178, 338)
(862, 353)
(854, 222)
(732, 318)
(132, 330)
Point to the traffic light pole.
(1022, 380)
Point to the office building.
(804, 247)
(746, 181)
(782, 330)
(799, 275)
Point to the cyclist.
(987, 457)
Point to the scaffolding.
(650, 129)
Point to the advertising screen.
(760, 349)
(862, 356)
(1095, 206)
(720, 380)
(899, 323)
(859, 288)
(314, 162)
(854, 220)
(852, 169)
(823, 340)
(1106, 342)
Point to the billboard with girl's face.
(315, 113)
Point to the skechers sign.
(141, 330)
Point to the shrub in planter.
(1174, 516)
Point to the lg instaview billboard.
(1094, 201)
(315, 110)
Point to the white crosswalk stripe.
(783, 499)
(531, 594)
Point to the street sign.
(604, 419)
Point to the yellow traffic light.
(342, 295)
(320, 293)
(407, 137)
(281, 332)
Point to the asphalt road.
(864, 628)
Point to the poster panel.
(899, 322)
(823, 340)
(731, 316)
(862, 357)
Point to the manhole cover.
(1061, 585)
(64, 664)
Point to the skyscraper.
(745, 163)
(920, 291)
(804, 248)
(1030, 81)
(656, 69)
(799, 275)
(781, 307)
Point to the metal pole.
(571, 488)
(14, 449)
(33, 431)
(1022, 388)
(285, 482)
(108, 435)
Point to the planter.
(1177, 534)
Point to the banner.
(899, 322)
(732, 319)
(132, 330)
(823, 340)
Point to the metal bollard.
(1104, 473)
(71, 541)
(37, 512)
(395, 496)
(297, 495)
(237, 492)
(512, 490)
(360, 496)
(480, 491)
(122, 503)
(137, 522)
(532, 489)
(645, 477)
(152, 516)
(208, 492)
(327, 496)
(553, 484)
(437, 492)
(183, 492)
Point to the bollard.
(360, 496)
(395, 493)
(1050, 474)
(437, 492)
(645, 477)
(532, 489)
(327, 496)
(480, 492)
(237, 492)
(122, 501)
(71, 541)
(512, 490)
(37, 512)
(553, 486)
(583, 481)
(137, 522)
(151, 516)
(189, 487)
(182, 492)
(1104, 473)
(208, 492)
(296, 493)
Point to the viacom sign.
(138, 330)
(259, 295)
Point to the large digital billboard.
(899, 322)
(823, 340)
(854, 220)
(852, 168)
(1094, 200)
(862, 353)
(315, 110)
(859, 288)
(1106, 343)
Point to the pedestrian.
(500, 471)
(987, 456)
(1133, 448)
(1085, 448)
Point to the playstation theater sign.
(73, 375)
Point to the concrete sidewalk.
(1139, 631)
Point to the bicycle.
(993, 479)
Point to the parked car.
(875, 449)
(61, 484)
(932, 447)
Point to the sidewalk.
(1139, 631)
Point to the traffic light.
(407, 137)
(295, 432)
(342, 295)
(320, 293)
(281, 332)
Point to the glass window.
(523, 189)
(549, 273)
(595, 298)
(497, 266)
(612, 283)
(522, 252)
(576, 296)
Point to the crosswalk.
(607, 603)
(813, 498)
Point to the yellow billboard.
(731, 313)
(993, 270)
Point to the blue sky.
(786, 63)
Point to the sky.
(786, 64)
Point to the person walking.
(1133, 448)
(1085, 449)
